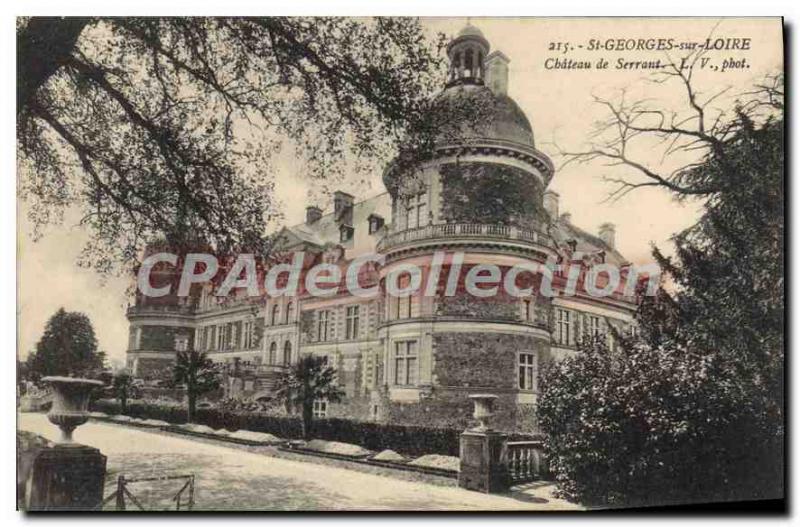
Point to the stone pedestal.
(66, 478)
(484, 465)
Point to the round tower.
(478, 201)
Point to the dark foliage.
(68, 347)
(409, 440)
(405, 439)
(693, 409)
(308, 380)
(123, 389)
(159, 128)
(198, 374)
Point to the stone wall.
(162, 338)
(471, 363)
(153, 368)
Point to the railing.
(252, 370)
(525, 461)
(156, 309)
(122, 491)
(462, 230)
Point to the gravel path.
(236, 479)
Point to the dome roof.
(472, 33)
(473, 111)
(470, 30)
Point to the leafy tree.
(122, 386)
(309, 380)
(159, 128)
(655, 425)
(194, 370)
(693, 409)
(68, 347)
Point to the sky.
(560, 106)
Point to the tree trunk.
(42, 47)
(192, 401)
(308, 415)
(123, 403)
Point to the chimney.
(607, 232)
(551, 204)
(313, 214)
(566, 218)
(497, 72)
(342, 203)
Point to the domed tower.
(478, 201)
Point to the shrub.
(408, 440)
(644, 426)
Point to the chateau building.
(415, 359)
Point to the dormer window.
(346, 233)
(375, 223)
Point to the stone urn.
(484, 410)
(70, 404)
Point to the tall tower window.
(405, 363)
(415, 211)
(527, 371)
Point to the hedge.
(409, 440)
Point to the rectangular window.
(415, 211)
(247, 335)
(563, 327)
(181, 343)
(403, 306)
(611, 341)
(527, 370)
(322, 325)
(401, 215)
(422, 209)
(594, 326)
(220, 337)
(351, 326)
(320, 408)
(405, 363)
(403, 303)
(229, 335)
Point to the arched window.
(468, 71)
(457, 66)
(287, 353)
(273, 353)
(273, 319)
(289, 313)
